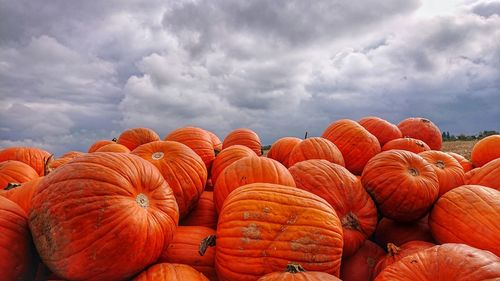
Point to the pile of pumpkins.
(368, 200)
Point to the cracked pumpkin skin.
(262, 227)
(344, 192)
(103, 216)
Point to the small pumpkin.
(466, 164)
(295, 272)
(449, 172)
(198, 140)
(204, 213)
(132, 138)
(12, 171)
(98, 144)
(406, 143)
(228, 156)
(316, 148)
(22, 195)
(382, 129)
(113, 147)
(422, 129)
(216, 142)
(398, 233)
(35, 157)
(281, 149)
(169, 272)
(359, 267)
(64, 159)
(243, 136)
(488, 175)
(486, 150)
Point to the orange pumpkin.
(227, 157)
(383, 130)
(109, 215)
(249, 170)
(422, 129)
(23, 194)
(244, 137)
(262, 227)
(344, 192)
(486, 150)
(398, 233)
(132, 138)
(12, 171)
(183, 170)
(64, 159)
(468, 214)
(34, 157)
(113, 147)
(217, 143)
(316, 148)
(295, 272)
(488, 175)
(198, 140)
(466, 164)
(204, 214)
(408, 144)
(458, 262)
(355, 142)
(359, 267)
(98, 144)
(449, 172)
(402, 183)
(169, 272)
(281, 149)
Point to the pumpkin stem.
(208, 241)
(440, 164)
(46, 164)
(392, 249)
(294, 268)
(216, 152)
(12, 185)
(114, 139)
(413, 172)
(351, 221)
(305, 136)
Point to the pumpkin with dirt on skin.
(228, 156)
(204, 213)
(12, 171)
(406, 143)
(461, 212)
(402, 184)
(198, 140)
(315, 148)
(449, 172)
(132, 138)
(243, 136)
(271, 225)
(488, 175)
(466, 164)
(382, 129)
(280, 150)
(359, 267)
(35, 157)
(458, 262)
(169, 272)
(422, 129)
(103, 207)
(295, 272)
(486, 150)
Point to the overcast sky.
(73, 72)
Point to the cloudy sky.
(73, 72)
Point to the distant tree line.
(447, 137)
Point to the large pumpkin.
(244, 137)
(466, 164)
(402, 183)
(12, 171)
(98, 144)
(113, 147)
(344, 192)
(316, 148)
(227, 157)
(488, 175)
(359, 267)
(103, 216)
(249, 170)
(355, 142)
(184, 250)
(295, 272)
(468, 214)
(408, 144)
(22, 195)
(170, 272)
(449, 172)
(422, 129)
(457, 262)
(16, 249)
(216, 142)
(281, 149)
(204, 214)
(132, 138)
(398, 233)
(262, 227)
(35, 157)
(183, 170)
(198, 140)
(382, 129)
(485, 150)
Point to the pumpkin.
(103, 216)
(468, 214)
(382, 129)
(395, 253)
(198, 140)
(403, 185)
(406, 143)
(113, 147)
(262, 227)
(98, 144)
(169, 272)
(295, 272)
(16, 249)
(184, 250)
(281, 149)
(344, 192)
(228, 156)
(132, 138)
(12, 171)
(244, 137)
(398, 233)
(355, 142)
(485, 150)
(449, 172)
(422, 129)
(316, 148)
(64, 159)
(359, 267)
(488, 175)
(216, 142)
(446, 262)
(22, 195)
(183, 170)
(35, 157)
(466, 164)
(249, 170)
(204, 214)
